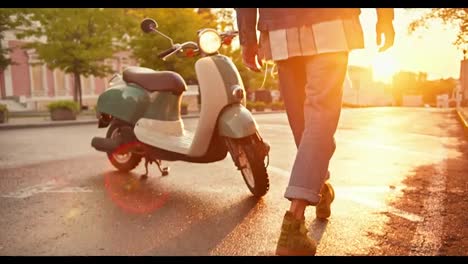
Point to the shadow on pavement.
(438, 193)
(137, 199)
(199, 239)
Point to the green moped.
(142, 110)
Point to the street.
(399, 176)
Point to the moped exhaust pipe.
(105, 144)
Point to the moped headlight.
(209, 41)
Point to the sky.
(428, 50)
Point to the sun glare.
(384, 66)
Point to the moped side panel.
(230, 75)
(126, 102)
(164, 106)
(236, 122)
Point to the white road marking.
(32, 190)
(71, 190)
(352, 193)
(427, 238)
(47, 187)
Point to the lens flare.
(133, 195)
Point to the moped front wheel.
(249, 155)
(121, 159)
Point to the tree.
(225, 18)
(180, 24)
(77, 41)
(451, 16)
(6, 23)
(252, 80)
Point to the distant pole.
(464, 79)
(357, 91)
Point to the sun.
(384, 66)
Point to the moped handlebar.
(167, 52)
(177, 47)
(229, 33)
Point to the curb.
(47, 124)
(88, 122)
(463, 121)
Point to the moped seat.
(151, 80)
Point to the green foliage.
(260, 106)
(252, 80)
(180, 24)
(277, 105)
(4, 19)
(6, 23)
(449, 16)
(250, 105)
(431, 89)
(3, 108)
(63, 104)
(225, 18)
(78, 39)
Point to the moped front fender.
(126, 102)
(235, 121)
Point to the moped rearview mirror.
(148, 25)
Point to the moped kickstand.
(164, 170)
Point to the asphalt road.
(58, 196)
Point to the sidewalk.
(462, 113)
(42, 121)
(45, 121)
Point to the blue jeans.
(312, 89)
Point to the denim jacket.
(282, 18)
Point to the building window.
(60, 83)
(37, 75)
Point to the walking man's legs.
(321, 107)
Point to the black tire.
(255, 156)
(129, 164)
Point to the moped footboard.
(236, 121)
(125, 102)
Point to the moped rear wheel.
(121, 159)
(249, 154)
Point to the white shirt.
(330, 36)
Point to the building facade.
(30, 85)
(360, 88)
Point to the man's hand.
(386, 29)
(250, 58)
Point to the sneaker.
(323, 211)
(293, 240)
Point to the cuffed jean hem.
(294, 192)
